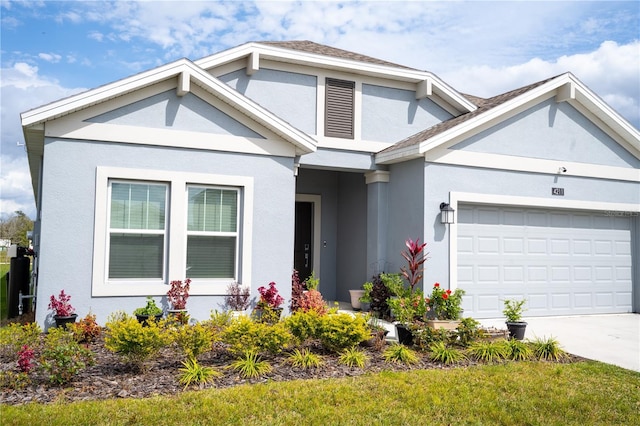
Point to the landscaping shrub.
(134, 341)
(340, 331)
(193, 340)
(243, 335)
(312, 301)
(194, 373)
(353, 357)
(250, 366)
(446, 354)
(517, 350)
(86, 330)
(488, 351)
(424, 336)
(304, 359)
(62, 356)
(468, 331)
(400, 354)
(304, 325)
(14, 336)
(548, 349)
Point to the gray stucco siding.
(68, 203)
(290, 96)
(406, 211)
(553, 131)
(168, 111)
(390, 114)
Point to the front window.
(137, 228)
(212, 232)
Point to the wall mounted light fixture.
(446, 213)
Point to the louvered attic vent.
(339, 108)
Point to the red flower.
(445, 296)
(436, 285)
(448, 291)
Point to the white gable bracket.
(424, 89)
(566, 92)
(253, 63)
(184, 83)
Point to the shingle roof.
(321, 49)
(484, 105)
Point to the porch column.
(377, 220)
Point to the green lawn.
(584, 393)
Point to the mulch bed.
(110, 378)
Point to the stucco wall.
(390, 115)
(352, 234)
(169, 111)
(406, 204)
(552, 131)
(291, 96)
(68, 202)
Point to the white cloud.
(50, 57)
(611, 71)
(17, 193)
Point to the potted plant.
(151, 310)
(513, 312)
(63, 312)
(365, 299)
(237, 298)
(408, 312)
(268, 308)
(415, 257)
(444, 307)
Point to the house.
(273, 155)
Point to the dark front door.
(303, 244)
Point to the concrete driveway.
(613, 339)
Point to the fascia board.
(399, 155)
(100, 94)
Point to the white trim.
(316, 200)
(377, 176)
(528, 164)
(455, 198)
(176, 262)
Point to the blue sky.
(53, 49)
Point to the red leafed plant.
(312, 301)
(25, 357)
(269, 297)
(61, 306)
(179, 293)
(415, 257)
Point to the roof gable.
(329, 58)
(184, 73)
(552, 131)
(493, 111)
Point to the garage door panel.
(562, 262)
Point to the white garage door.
(562, 262)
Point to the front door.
(303, 242)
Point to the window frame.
(176, 240)
(235, 234)
(163, 232)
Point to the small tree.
(415, 257)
